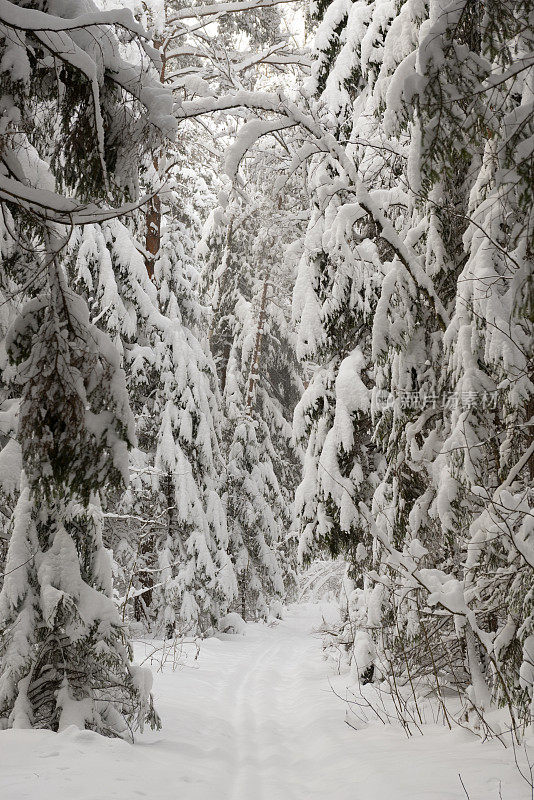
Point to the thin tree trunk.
(255, 366)
(227, 347)
(153, 230)
(153, 208)
(530, 431)
(152, 245)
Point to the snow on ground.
(255, 717)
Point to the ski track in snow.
(255, 718)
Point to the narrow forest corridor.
(266, 334)
(256, 717)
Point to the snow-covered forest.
(267, 399)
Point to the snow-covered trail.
(263, 718)
(284, 720)
(255, 718)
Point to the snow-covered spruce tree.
(200, 583)
(490, 340)
(10, 454)
(253, 498)
(110, 272)
(273, 390)
(274, 382)
(443, 167)
(173, 550)
(448, 451)
(64, 657)
(188, 451)
(406, 347)
(410, 504)
(335, 300)
(251, 344)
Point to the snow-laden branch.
(96, 54)
(263, 101)
(404, 253)
(242, 61)
(223, 8)
(274, 57)
(56, 208)
(327, 143)
(444, 591)
(33, 21)
(247, 135)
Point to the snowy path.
(269, 716)
(255, 718)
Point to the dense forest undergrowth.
(267, 296)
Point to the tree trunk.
(255, 366)
(153, 230)
(530, 430)
(153, 208)
(222, 367)
(152, 245)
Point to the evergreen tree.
(252, 346)
(64, 657)
(436, 120)
(174, 562)
(188, 453)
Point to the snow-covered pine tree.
(437, 129)
(335, 299)
(490, 341)
(188, 448)
(173, 550)
(64, 657)
(251, 344)
(448, 450)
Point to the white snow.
(256, 716)
(233, 623)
